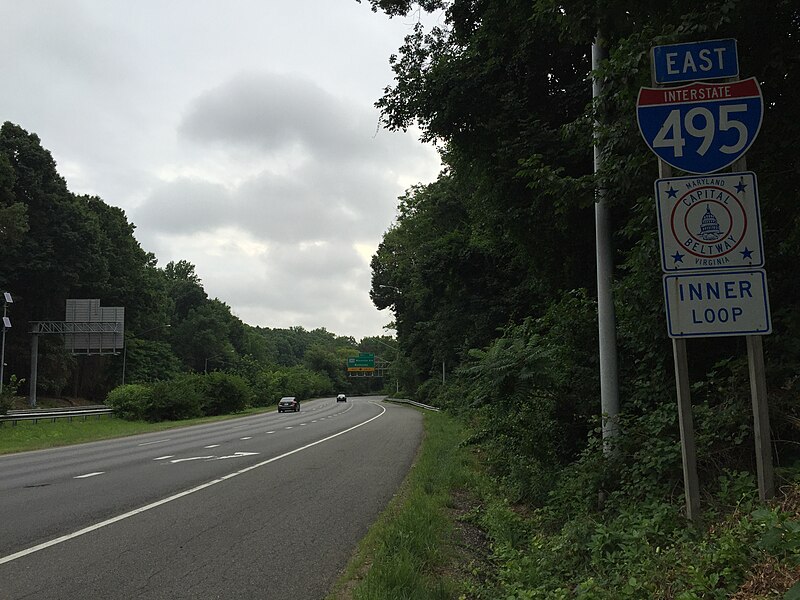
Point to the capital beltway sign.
(709, 222)
(701, 127)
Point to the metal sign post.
(691, 482)
(6, 325)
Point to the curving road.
(269, 506)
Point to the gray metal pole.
(606, 318)
(3, 351)
(2, 359)
(124, 359)
(34, 367)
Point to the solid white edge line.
(127, 515)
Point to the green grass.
(27, 435)
(406, 552)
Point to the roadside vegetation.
(454, 533)
(407, 552)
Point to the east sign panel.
(710, 59)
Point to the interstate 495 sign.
(701, 127)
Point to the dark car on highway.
(288, 403)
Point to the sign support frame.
(758, 393)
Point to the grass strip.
(406, 552)
(27, 435)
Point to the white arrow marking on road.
(177, 460)
(164, 457)
(236, 455)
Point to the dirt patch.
(470, 560)
(768, 580)
(771, 579)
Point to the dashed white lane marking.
(164, 457)
(127, 515)
(177, 460)
(156, 442)
(247, 438)
(301, 424)
(270, 432)
(289, 427)
(89, 475)
(212, 446)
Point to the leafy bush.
(9, 391)
(225, 393)
(130, 402)
(533, 394)
(177, 399)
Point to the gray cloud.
(241, 137)
(272, 112)
(339, 182)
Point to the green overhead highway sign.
(362, 361)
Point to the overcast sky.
(239, 135)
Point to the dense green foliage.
(130, 401)
(490, 271)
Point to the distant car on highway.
(288, 403)
(341, 398)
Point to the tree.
(184, 287)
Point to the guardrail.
(418, 404)
(39, 414)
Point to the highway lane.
(269, 506)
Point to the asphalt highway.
(263, 507)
